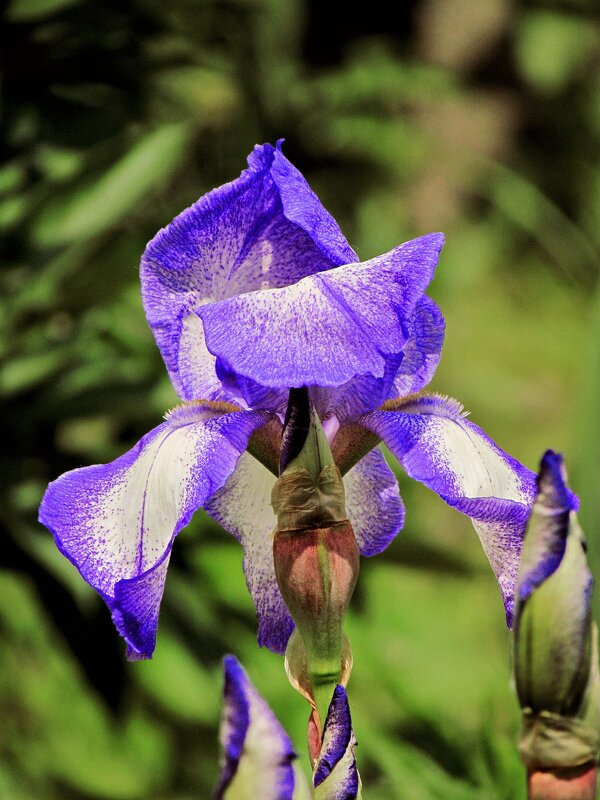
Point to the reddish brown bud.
(572, 783)
(317, 571)
(316, 563)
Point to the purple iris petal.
(243, 507)
(438, 446)
(264, 229)
(358, 395)
(116, 522)
(250, 732)
(422, 351)
(336, 763)
(327, 328)
(554, 502)
(405, 373)
(246, 391)
(373, 503)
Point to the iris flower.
(251, 291)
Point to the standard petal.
(265, 229)
(327, 328)
(438, 446)
(422, 351)
(243, 507)
(373, 503)
(405, 373)
(116, 522)
(258, 754)
(335, 776)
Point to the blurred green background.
(480, 118)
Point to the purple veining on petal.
(243, 507)
(250, 393)
(554, 504)
(251, 732)
(265, 229)
(358, 395)
(327, 328)
(373, 503)
(337, 751)
(438, 446)
(116, 522)
(302, 206)
(422, 350)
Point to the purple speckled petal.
(356, 396)
(422, 351)
(265, 229)
(373, 503)
(257, 753)
(327, 328)
(116, 522)
(548, 526)
(438, 446)
(335, 776)
(405, 373)
(243, 507)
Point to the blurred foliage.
(477, 117)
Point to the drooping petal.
(265, 229)
(438, 446)
(335, 776)
(258, 754)
(243, 507)
(116, 522)
(373, 503)
(327, 328)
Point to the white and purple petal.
(243, 507)
(373, 503)
(335, 776)
(258, 754)
(116, 522)
(265, 229)
(328, 328)
(438, 446)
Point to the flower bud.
(555, 649)
(315, 552)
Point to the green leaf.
(30, 10)
(102, 204)
(178, 684)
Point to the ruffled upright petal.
(422, 351)
(265, 229)
(258, 754)
(116, 522)
(327, 328)
(243, 507)
(438, 446)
